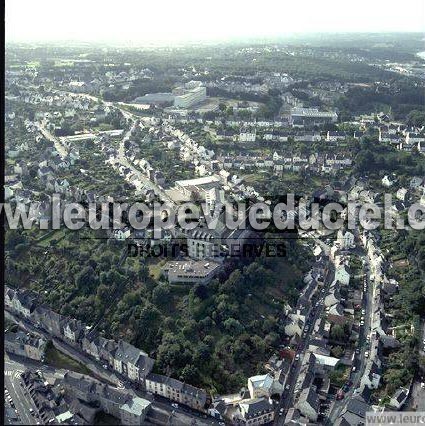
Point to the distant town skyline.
(165, 21)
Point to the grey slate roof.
(185, 388)
(310, 396)
(256, 407)
(358, 407)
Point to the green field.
(58, 359)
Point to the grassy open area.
(50, 236)
(340, 375)
(155, 267)
(58, 359)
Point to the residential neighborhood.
(223, 231)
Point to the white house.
(388, 181)
(401, 194)
(345, 239)
(294, 327)
(247, 136)
(342, 275)
(415, 182)
(122, 234)
(263, 386)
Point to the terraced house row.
(120, 356)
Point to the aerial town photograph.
(214, 212)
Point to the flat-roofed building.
(305, 116)
(189, 271)
(190, 94)
(200, 185)
(155, 98)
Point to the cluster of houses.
(25, 345)
(81, 77)
(52, 161)
(277, 134)
(48, 167)
(414, 191)
(72, 398)
(131, 175)
(239, 87)
(258, 84)
(313, 383)
(121, 357)
(316, 163)
(401, 137)
(380, 339)
(80, 82)
(396, 134)
(253, 405)
(341, 301)
(206, 164)
(66, 101)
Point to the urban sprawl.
(325, 328)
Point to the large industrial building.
(186, 96)
(312, 116)
(155, 99)
(189, 94)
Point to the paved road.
(131, 118)
(422, 343)
(48, 135)
(21, 398)
(179, 416)
(182, 414)
(141, 176)
(98, 370)
(417, 398)
(287, 397)
(367, 305)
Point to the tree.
(337, 352)
(233, 326)
(86, 280)
(161, 294)
(190, 374)
(337, 333)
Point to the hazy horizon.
(167, 22)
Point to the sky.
(168, 21)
